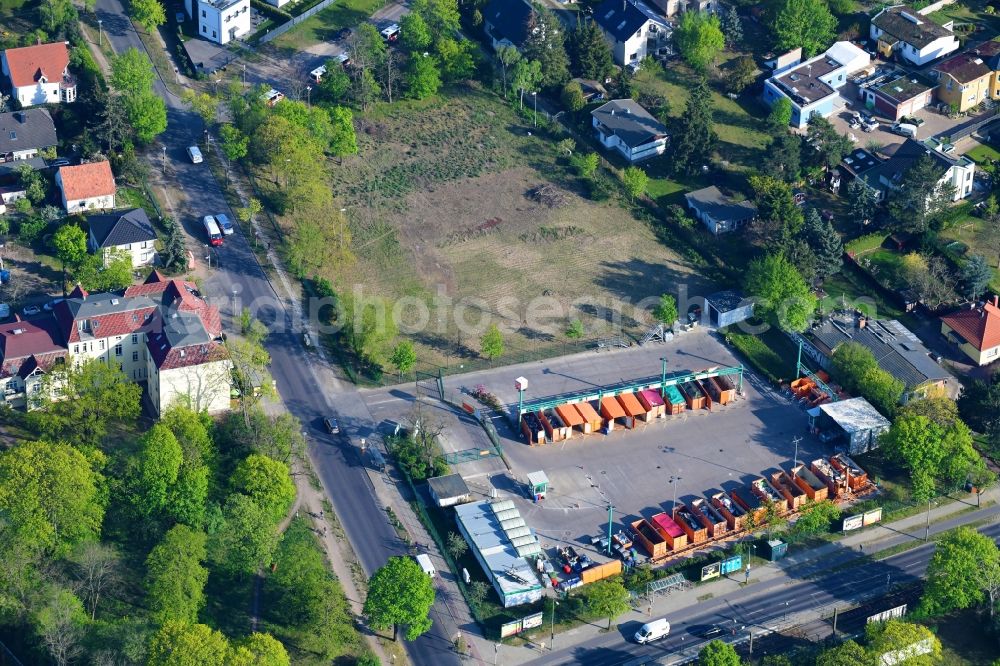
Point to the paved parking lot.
(934, 123)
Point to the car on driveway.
(51, 305)
(331, 425)
(31, 310)
(225, 224)
(59, 162)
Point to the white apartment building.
(222, 21)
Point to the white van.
(195, 154)
(905, 129)
(424, 560)
(652, 631)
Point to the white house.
(812, 86)
(671, 7)
(28, 350)
(39, 74)
(127, 231)
(222, 21)
(632, 29)
(718, 212)
(959, 172)
(86, 187)
(25, 133)
(911, 35)
(622, 124)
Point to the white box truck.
(424, 560)
(652, 631)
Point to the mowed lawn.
(322, 26)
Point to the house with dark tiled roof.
(128, 231)
(87, 186)
(718, 212)
(28, 350)
(896, 349)
(161, 332)
(39, 74)
(624, 125)
(26, 133)
(631, 29)
(958, 172)
(912, 36)
(975, 330)
(507, 22)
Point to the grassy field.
(439, 203)
(321, 26)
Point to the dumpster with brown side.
(727, 387)
(750, 501)
(570, 417)
(835, 480)
(632, 406)
(857, 478)
(814, 489)
(554, 426)
(614, 414)
(693, 528)
(670, 530)
(734, 514)
(709, 517)
(651, 539)
(763, 489)
(532, 428)
(794, 496)
(693, 395)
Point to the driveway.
(308, 389)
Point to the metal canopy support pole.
(520, 405)
(663, 377)
(798, 362)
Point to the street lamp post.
(309, 96)
(927, 526)
(244, 75)
(552, 637)
(797, 440)
(164, 159)
(100, 32)
(534, 121)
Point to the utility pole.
(927, 526)
(100, 33)
(534, 121)
(835, 613)
(796, 442)
(750, 632)
(611, 513)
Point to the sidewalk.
(804, 564)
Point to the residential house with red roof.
(976, 331)
(161, 332)
(39, 74)
(86, 186)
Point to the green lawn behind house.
(322, 26)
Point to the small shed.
(728, 307)
(538, 484)
(853, 423)
(570, 416)
(449, 490)
(633, 407)
(651, 400)
(611, 410)
(591, 419)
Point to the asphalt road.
(759, 610)
(293, 368)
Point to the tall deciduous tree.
(829, 145)
(699, 39)
(936, 457)
(400, 594)
(70, 244)
(589, 52)
(635, 180)
(666, 310)
(781, 113)
(491, 344)
(267, 482)
(183, 644)
(855, 367)
(507, 56)
(694, 139)
(158, 464)
(805, 23)
(150, 14)
(50, 496)
(781, 294)
(717, 653)
(97, 569)
(963, 572)
(176, 576)
(259, 649)
(979, 405)
(94, 395)
(403, 357)
(131, 72)
(59, 623)
(234, 142)
(457, 58)
(423, 78)
(897, 635)
(607, 598)
(848, 653)
(415, 36)
(247, 538)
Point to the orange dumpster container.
(632, 406)
(592, 421)
(570, 416)
(612, 411)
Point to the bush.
(270, 10)
(866, 243)
(601, 188)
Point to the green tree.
(369, 327)
(456, 545)
(586, 164)
(572, 97)
(895, 635)
(732, 27)
(848, 653)
(247, 538)
(829, 145)
(776, 207)
(176, 577)
(635, 181)
(919, 199)
(57, 15)
(976, 276)
(575, 330)
(147, 113)
(741, 74)
(259, 649)
(234, 142)
(400, 594)
(666, 311)
(526, 76)
(805, 23)
(607, 598)
(962, 564)
(132, 73)
(344, 140)
(422, 77)
(70, 244)
(415, 36)
(491, 343)
(781, 113)
(783, 155)
(781, 294)
(404, 357)
(336, 83)
(456, 57)
(717, 653)
(546, 45)
(699, 39)
(147, 13)
(183, 644)
(50, 496)
(694, 139)
(94, 395)
(507, 56)
(816, 517)
(934, 455)
(266, 482)
(590, 55)
(862, 202)
(979, 406)
(60, 623)
(97, 569)
(159, 462)
(855, 367)
(206, 106)
(441, 16)
(825, 243)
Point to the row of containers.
(724, 515)
(626, 409)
